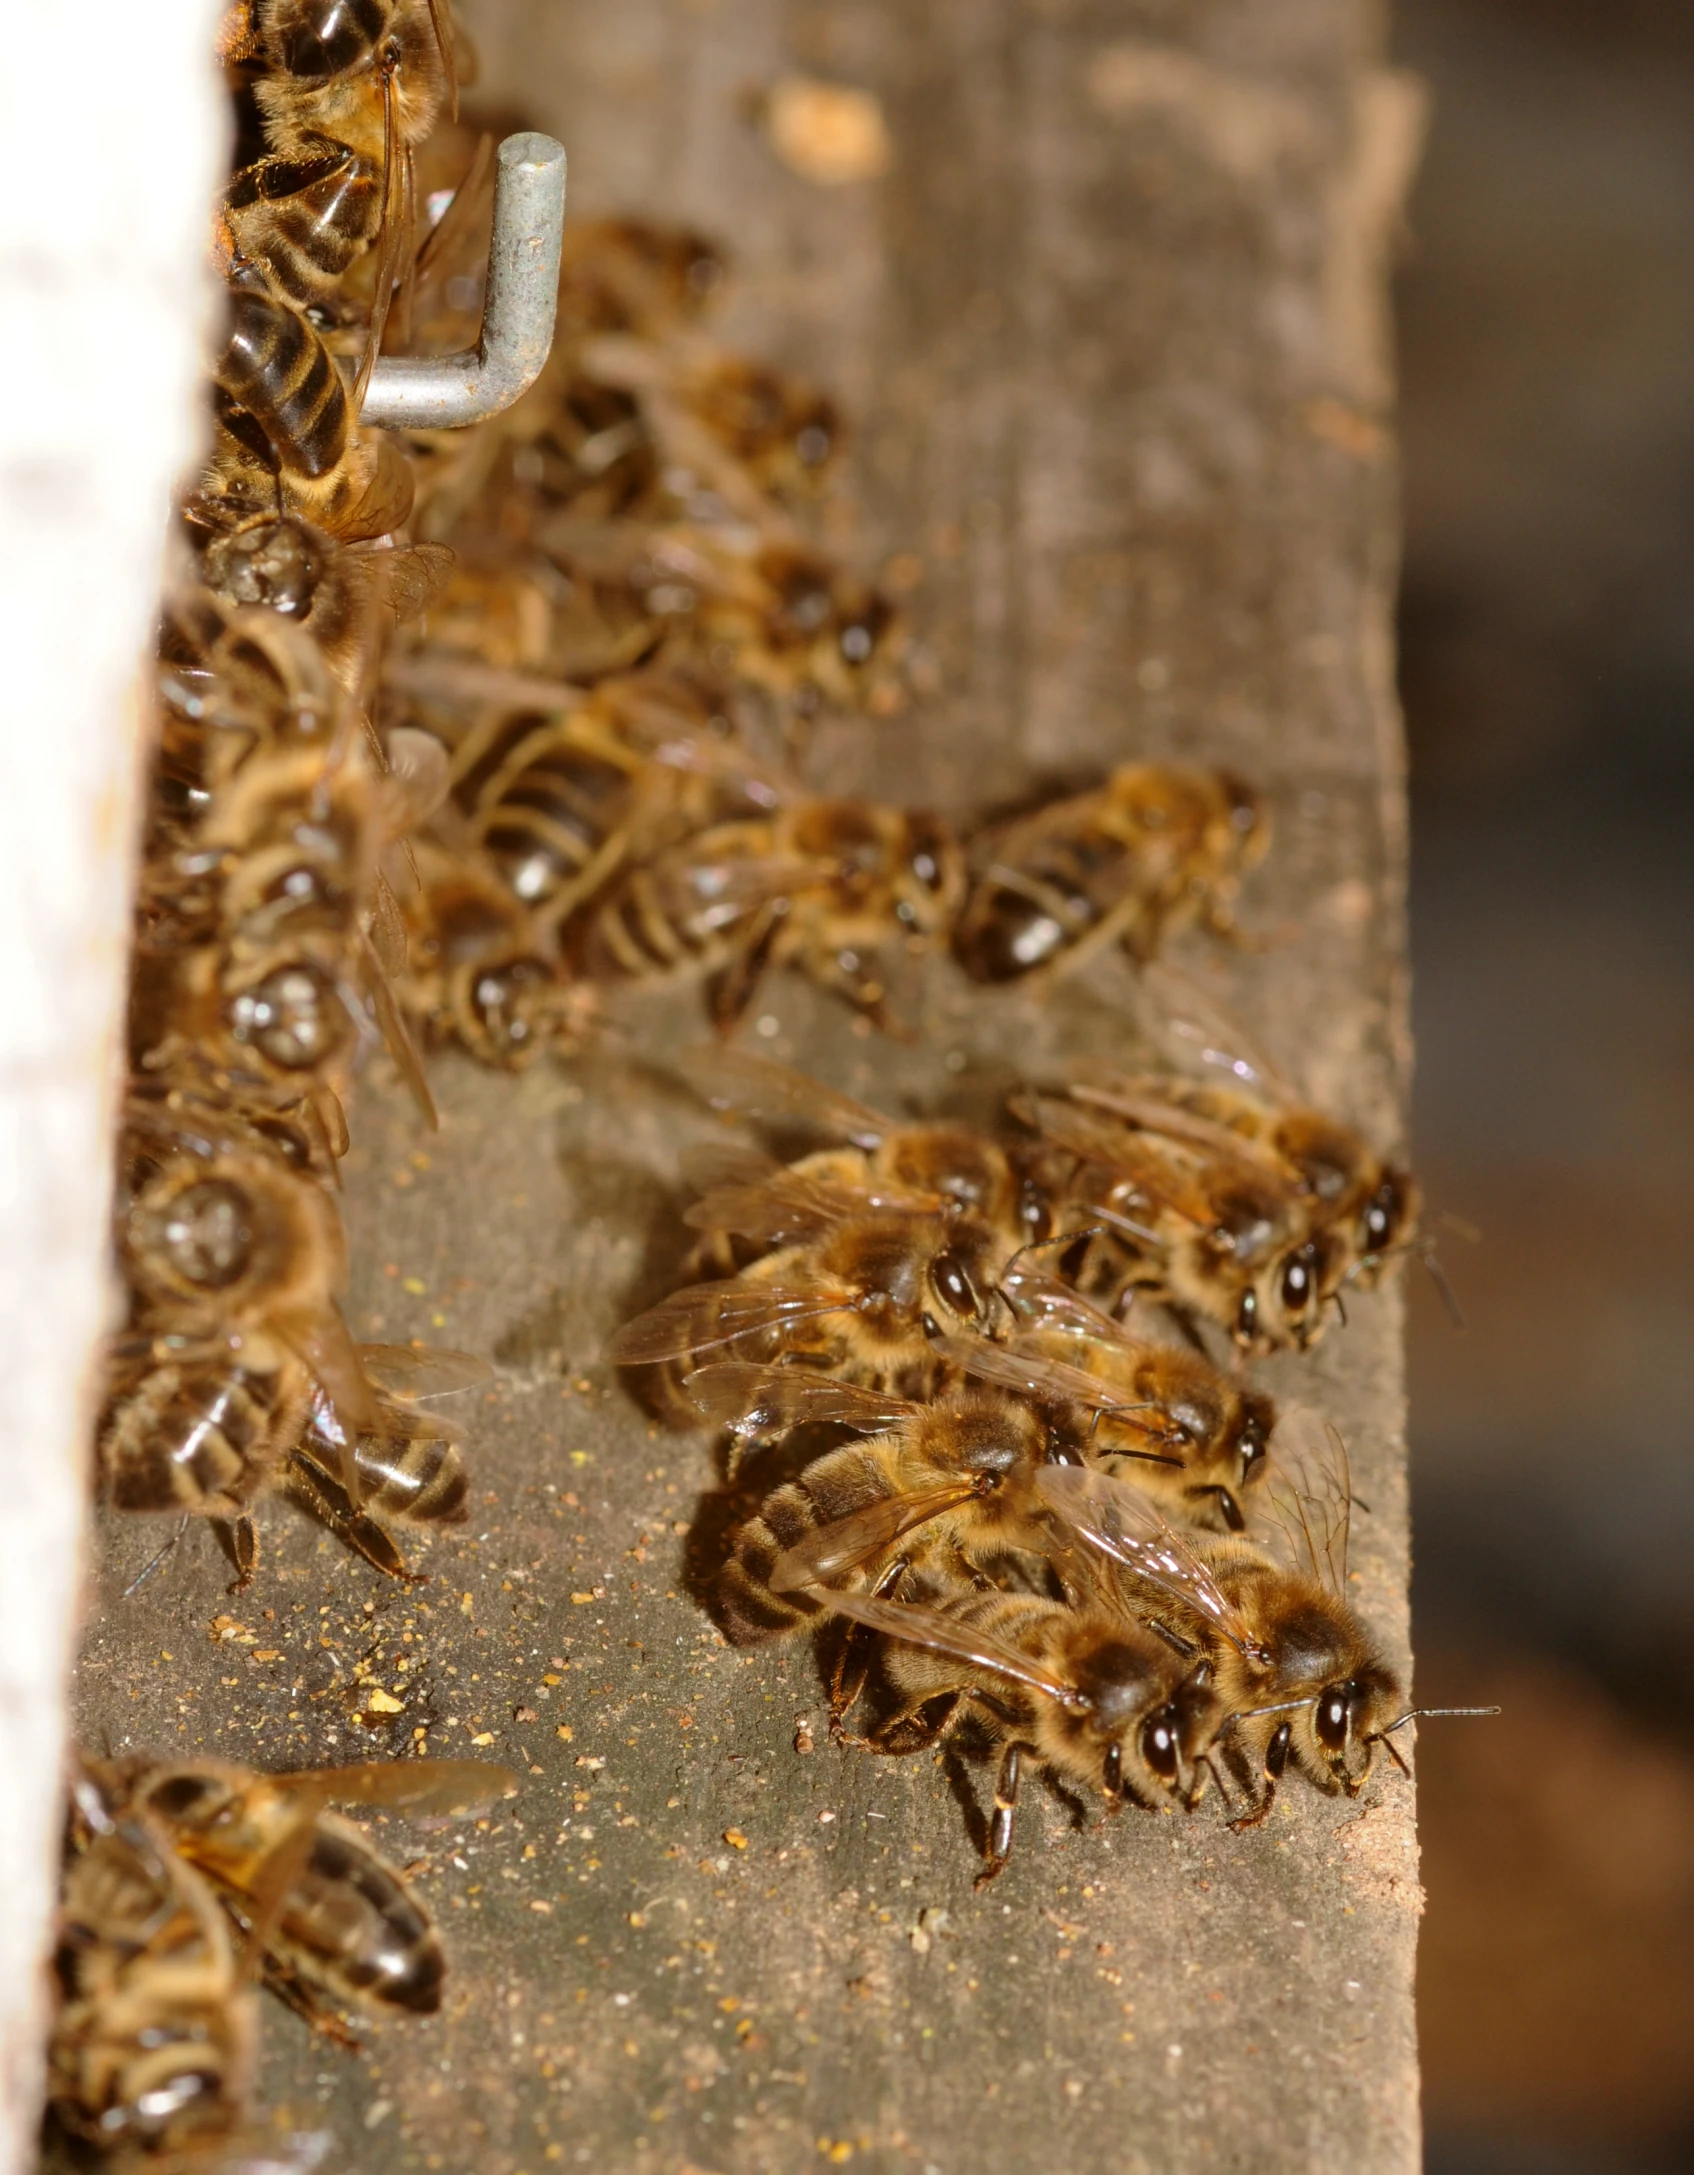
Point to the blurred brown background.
(1547, 330)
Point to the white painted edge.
(112, 133)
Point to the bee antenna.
(1413, 1714)
(146, 1572)
(1438, 1277)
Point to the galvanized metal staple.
(447, 392)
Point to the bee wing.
(1309, 1494)
(430, 1786)
(1042, 1300)
(756, 1400)
(1125, 1157)
(943, 1634)
(1195, 1028)
(419, 770)
(396, 1035)
(709, 1166)
(442, 31)
(1132, 1101)
(387, 928)
(323, 1343)
(392, 237)
(414, 1377)
(1118, 1519)
(772, 1094)
(704, 1317)
(1032, 1374)
(861, 1536)
(795, 1205)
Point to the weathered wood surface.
(1113, 332)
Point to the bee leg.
(999, 1847)
(913, 1729)
(853, 978)
(732, 990)
(1276, 1759)
(312, 1490)
(239, 1540)
(292, 1990)
(852, 1662)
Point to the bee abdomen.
(277, 368)
(361, 1928)
(182, 1443)
(308, 220)
(423, 1479)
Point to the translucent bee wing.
(1124, 1158)
(709, 1166)
(1131, 1102)
(1032, 1374)
(396, 1035)
(424, 1786)
(387, 928)
(1118, 1519)
(442, 31)
(1042, 1301)
(772, 1094)
(795, 1205)
(411, 1376)
(944, 1634)
(1196, 1029)
(1309, 1495)
(757, 1400)
(704, 1317)
(323, 1343)
(862, 1536)
(418, 775)
(392, 237)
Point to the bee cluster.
(459, 732)
(1101, 1550)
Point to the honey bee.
(961, 1167)
(1211, 1231)
(154, 2038)
(205, 1424)
(1299, 1680)
(936, 1489)
(821, 886)
(345, 94)
(1372, 1205)
(1083, 1691)
(406, 1464)
(482, 967)
(722, 420)
(1154, 850)
(1116, 1396)
(337, 1926)
(286, 441)
(339, 594)
(780, 615)
(561, 799)
(850, 1288)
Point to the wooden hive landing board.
(1111, 334)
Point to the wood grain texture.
(1112, 331)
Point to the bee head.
(1347, 1718)
(1388, 1217)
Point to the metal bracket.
(448, 392)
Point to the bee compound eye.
(1299, 1281)
(1251, 1445)
(1111, 1771)
(206, 1233)
(1247, 1315)
(1159, 1745)
(954, 1286)
(1335, 1708)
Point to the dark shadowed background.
(1547, 335)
